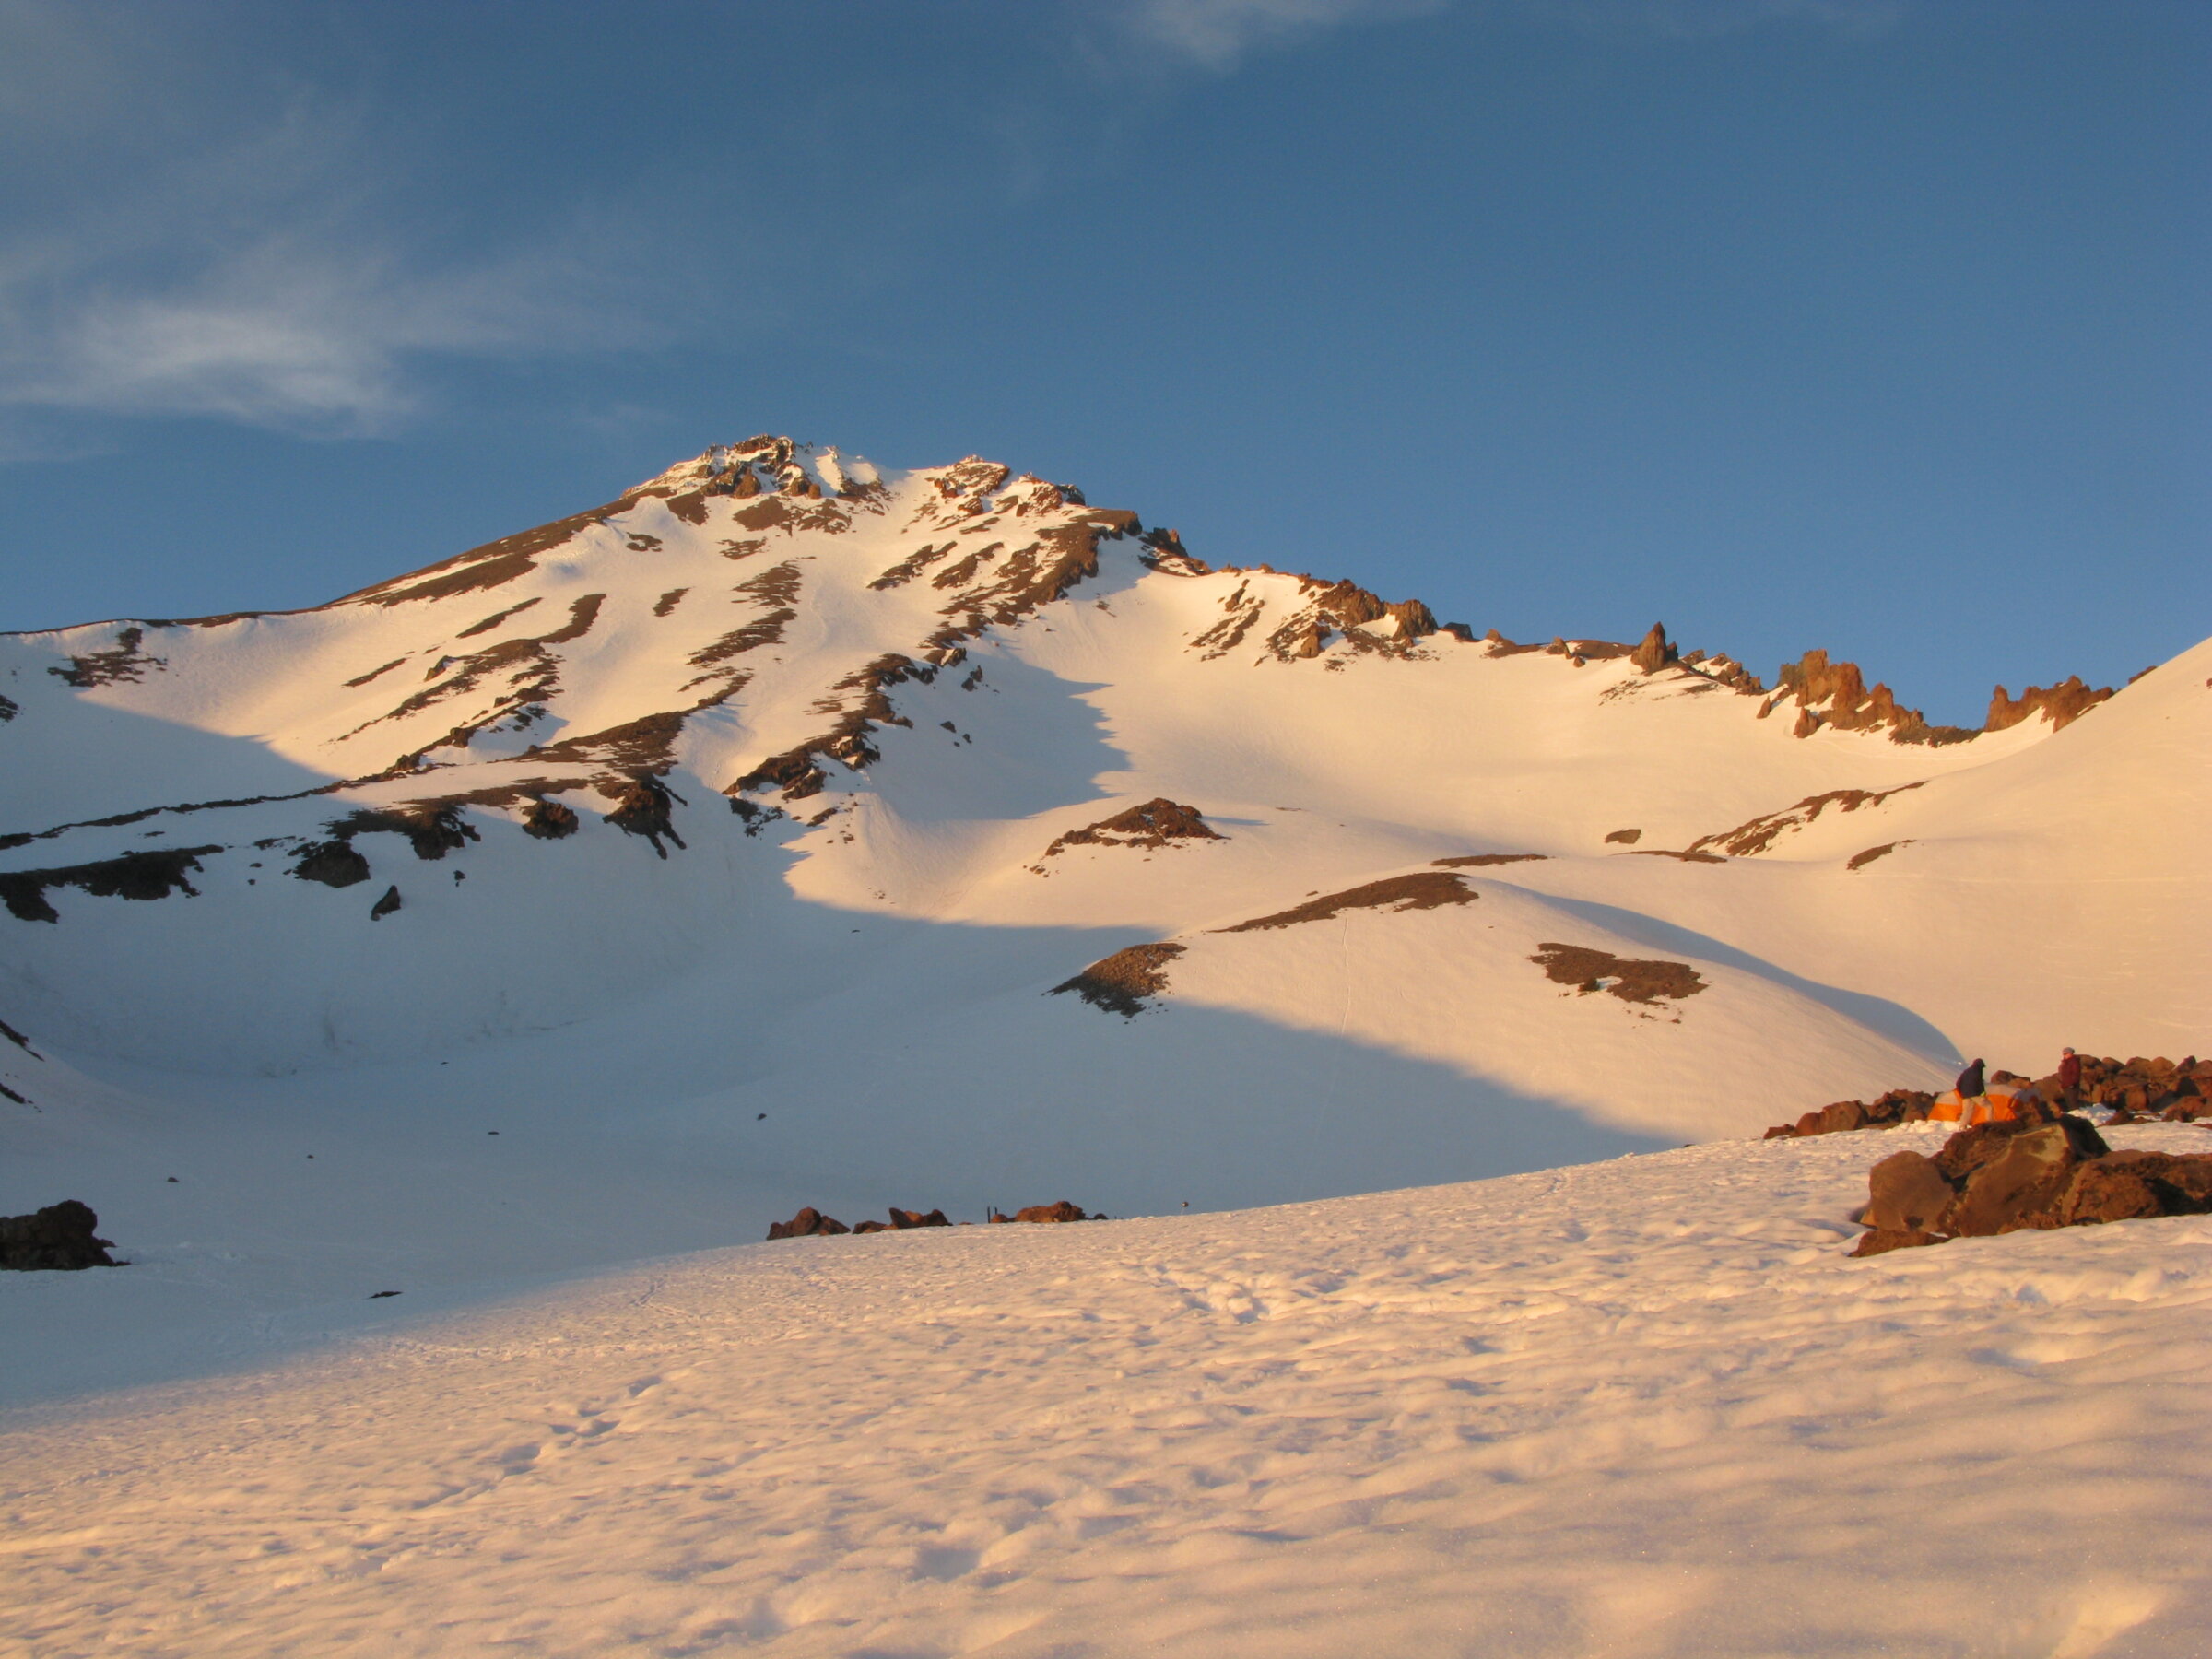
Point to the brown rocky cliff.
(2063, 703)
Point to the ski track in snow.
(1644, 1407)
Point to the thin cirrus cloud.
(217, 258)
(1217, 34)
(287, 331)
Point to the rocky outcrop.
(2133, 1091)
(643, 806)
(432, 828)
(332, 863)
(1759, 834)
(386, 906)
(1048, 1213)
(548, 820)
(141, 876)
(1120, 983)
(2062, 704)
(1632, 979)
(1654, 653)
(2139, 1088)
(58, 1238)
(1898, 1106)
(2001, 1178)
(122, 662)
(809, 1223)
(1835, 694)
(1156, 823)
(1424, 889)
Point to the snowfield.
(523, 934)
(1641, 1407)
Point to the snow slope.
(1637, 1408)
(711, 846)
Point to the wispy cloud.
(1692, 19)
(252, 264)
(1217, 33)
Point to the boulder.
(2017, 1180)
(1061, 1211)
(59, 1237)
(2000, 1178)
(808, 1223)
(906, 1218)
(1910, 1194)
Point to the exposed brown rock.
(141, 876)
(1419, 891)
(905, 1219)
(1048, 1213)
(2000, 1178)
(1468, 861)
(123, 662)
(1627, 837)
(2063, 705)
(1834, 694)
(548, 820)
(1859, 860)
(1758, 834)
(1118, 983)
(474, 629)
(641, 806)
(1910, 1193)
(332, 863)
(1654, 653)
(809, 1223)
(1156, 823)
(58, 1238)
(386, 906)
(432, 828)
(1631, 979)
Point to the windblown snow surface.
(781, 832)
(1639, 1407)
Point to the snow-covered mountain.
(828, 835)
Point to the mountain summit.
(959, 825)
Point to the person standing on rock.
(1969, 1084)
(2069, 1077)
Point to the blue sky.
(1874, 324)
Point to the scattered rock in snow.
(1118, 983)
(142, 875)
(548, 820)
(902, 1219)
(1421, 890)
(332, 863)
(1626, 836)
(1859, 860)
(1898, 1106)
(641, 807)
(1630, 979)
(1758, 834)
(1471, 861)
(386, 906)
(59, 1237)
(1156, 823)
(124, 661)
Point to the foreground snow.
(1639, 1407)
